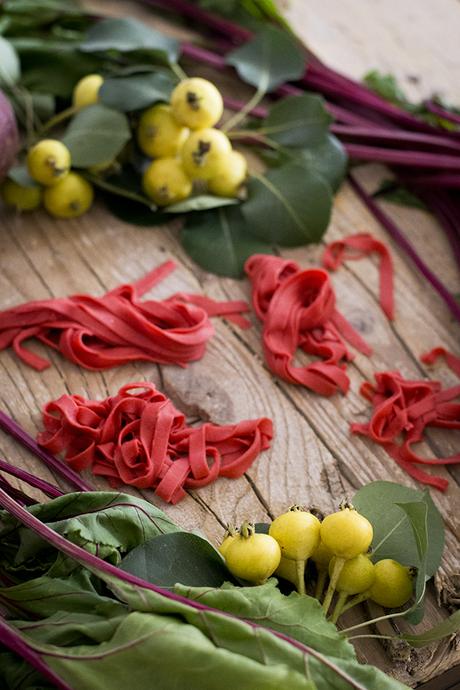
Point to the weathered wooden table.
(313, 459)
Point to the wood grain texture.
(314, 460)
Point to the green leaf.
(43, 104)
(393, 534)
(392, 191)
(449, 626)
(289, 206)
(124, 197)
(18, 674)
(220, 241)
(65, 628)
(26, 15)
(203, 202)
(386, 86)
(127, 35)
(417, 512)
(53, 67)
(10, 69)
(246, 11)
(95, 135)
(217, 648)
(45, 596)
(328, 159)
(119, 190)
(262, 527)
(177, 557)
(37, 107)
(134, 212)
(271, 58)
(104, 522)
(20, 175)
(136, 91)
(233, 635)
(184, 657)
(298, 121)
(298, 616)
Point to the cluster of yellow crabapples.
(339, 548)
(187, 150)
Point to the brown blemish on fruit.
(200, 153)
(193, 100)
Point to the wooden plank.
(416, 40)
(447, 681)
(313, 457)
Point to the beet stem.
(31, 479)
(16, 431)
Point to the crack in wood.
(390, 323)
(7, 371)
(202, 503)
(259, 495)
(90, 268)
(28, 260)
(281, 387)
(320, 436)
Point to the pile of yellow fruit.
(64, 193)
(186, 147)
(338, 546)
(187, 152)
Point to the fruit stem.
(247, 529)
(178, 71)
(374, 637)
(119, 191)
(300, 573)
(239, 116)
(322, 575)
(231, 530)
(57, 119)
(338, 609)
(373, 621)
(354, 601)
(338, 565)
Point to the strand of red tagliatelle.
(139, 438)
(102, 332)
(298, 311)
(452, 361)
(357, 247)
(402, 409)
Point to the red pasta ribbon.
(139, 438)
(102, 332)
(452, 361)
(357, 247)
(298, 310)
(402, 409)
